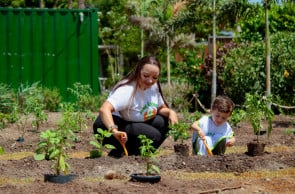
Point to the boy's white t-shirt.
(142, 107)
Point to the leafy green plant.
(84, 98)
(191, 117)
(237, 116)
(54, 145)
(52, 99)
(257, 109)
(46, 147)
(148, 152)
(244, 70)
(75, 120)
(85, 102)
(98, 144)
(7, 98)
(179, 131)
(3, 120)
(30, 101)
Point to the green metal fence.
(56, 47)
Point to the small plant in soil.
(1, 150)
(257, 110)
(54, 146)
(98, 143)
(148, 153)
(179, 132)
(30, 101)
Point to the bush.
(52, 99)
(178, 97)
(7, 98)
(244, 70)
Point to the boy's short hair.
(223, 104)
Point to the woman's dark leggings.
(155, 129)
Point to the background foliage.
(240, 64)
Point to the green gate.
(56, 47)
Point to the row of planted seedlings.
(55, 143)
(27, 109)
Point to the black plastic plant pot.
(20, 139)
(53, 178)
(153, 178)
(95, 154)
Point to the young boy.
(214, 128)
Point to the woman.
(136, 106)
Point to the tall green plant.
(52, 99)
(257, 110)
(83, 95)
(7, 98)
(30, 101)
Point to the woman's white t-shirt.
(142, 107)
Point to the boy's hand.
(195, 127)
(231, 142)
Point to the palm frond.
(183, 41)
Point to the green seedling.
(98, 144)
(1, 150)
(54, 144)
(148, 152)
(179, 131)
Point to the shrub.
(52, 99)
(244, 70)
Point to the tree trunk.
(81, 4)
(213, 92)
(267, 47)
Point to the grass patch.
(15, 156)
(231, 175)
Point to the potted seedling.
(98, 143)
(54, 146)
(152, 171)
(179, 132)
(258, 110)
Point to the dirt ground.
(235, 172)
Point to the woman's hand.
(120, 136)
(169, 113)
(173, 117)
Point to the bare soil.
(235, 172)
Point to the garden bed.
(235, 172)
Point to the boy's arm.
(196, 127)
